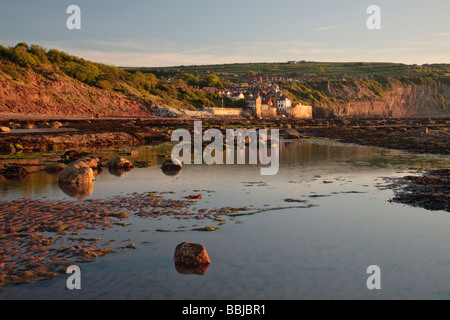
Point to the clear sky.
(185, 32)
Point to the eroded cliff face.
(57, 94)
(401, 101)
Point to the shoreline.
(419, 135)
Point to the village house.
(283, 103)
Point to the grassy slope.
(21, 63)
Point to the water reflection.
(297, 160)
(186, 270)
(119, 172)
(79, 191)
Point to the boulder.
(119, 163)
(171, 167)
(78, 173)
(191, 254)
(291, 134)
(5, 129)
(92, 162)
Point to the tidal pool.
(310, 232)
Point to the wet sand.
(39, 239)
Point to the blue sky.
(185, 32)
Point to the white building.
(283, 103)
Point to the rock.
(191, 254)
(92, 162)
(172, 167)
(28, 126)
(9, 148)
(291, 134)
(55, 125)
(78, 173)
(73, 155)
(119, 163)
(54, 168)
(422, 130)
(14, 125)
(15, 172)
(43, 125)
(5, 129)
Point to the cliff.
(405, 100)
(59, 94)
(374, 97)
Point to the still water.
(317, 226)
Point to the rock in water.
(77, 173)
(291, 134)
(77, 179)
(172, 167)
(119, 163)
(191, 254)
(15, 172)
